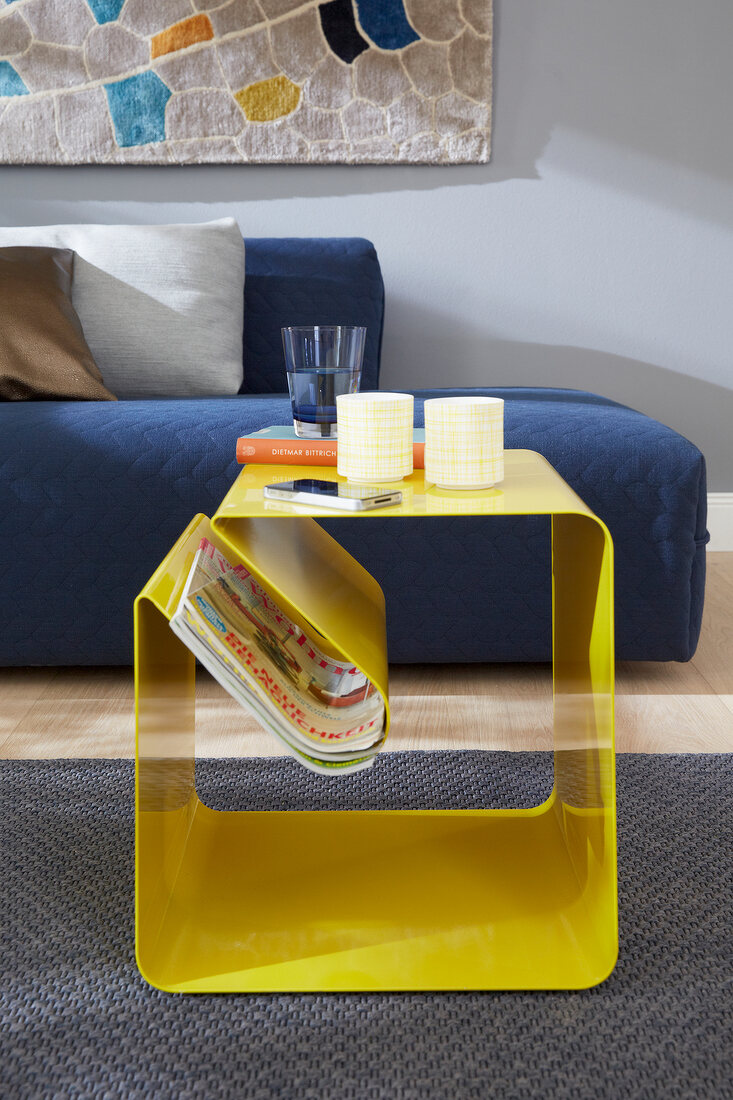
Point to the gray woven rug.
(77, 1020)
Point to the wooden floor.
(668, 707)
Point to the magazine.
(324, 712)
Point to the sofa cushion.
(43, 353)
(308, 281)
(95, 508)
(161, 305)
(481, 589)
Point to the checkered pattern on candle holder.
(375, 435)
(464, 441)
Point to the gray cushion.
(161, 305)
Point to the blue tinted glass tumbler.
(322, 361)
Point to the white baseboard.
(720, 521)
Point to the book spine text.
(272, 452)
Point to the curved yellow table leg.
(583, 684)
(166, 800)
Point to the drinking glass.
(322, 361)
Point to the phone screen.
(329, 488)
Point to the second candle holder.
(464, 442)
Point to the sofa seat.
(92, 495)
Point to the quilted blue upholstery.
(481, 588)
(307, 281)
(92, 495)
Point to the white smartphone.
(332, 494)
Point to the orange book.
(281, 446)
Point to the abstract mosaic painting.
(237, 81)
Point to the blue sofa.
(92, 495)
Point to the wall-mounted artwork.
(237, 81)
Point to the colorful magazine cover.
(324, 711)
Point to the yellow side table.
(378, 900)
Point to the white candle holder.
(464, 442)
(375, 436)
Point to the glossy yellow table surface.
(378, 900)
(531, 486)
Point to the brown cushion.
(43, 353)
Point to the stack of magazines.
(325, 712)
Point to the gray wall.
(594, 251)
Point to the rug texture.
(261, 81)
(79, 1021)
